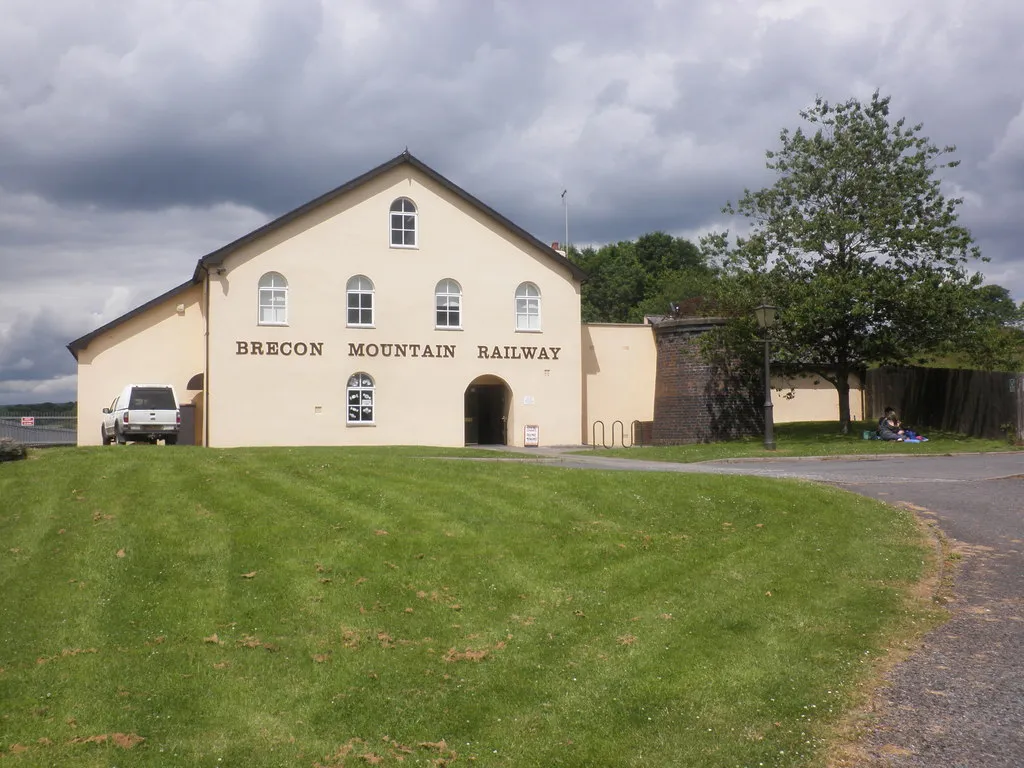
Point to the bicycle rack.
(635, 434)
(622, 434)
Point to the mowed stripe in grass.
(340, 607)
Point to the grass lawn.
(813, 438)
(350, 607)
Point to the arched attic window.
(404, 224)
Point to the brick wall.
(696, 401)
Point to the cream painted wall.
(619, 367)
(160, 346)
(293, 400)
(810, 398)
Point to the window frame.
(360, 387)
(271, 291)
(447, 295)
(522, 294)
(360, 291)
(398, 209)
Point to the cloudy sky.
(137, 136)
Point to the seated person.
(889, 427)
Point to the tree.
(993, 340)
(996, 305)
(630, 279)
(856, 244)
(615, 284)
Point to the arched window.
(360, 301)
(273, 299)
(527, 307)
(403, 223)
(448, 303)
(360, 399)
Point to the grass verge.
(341, 607)
(813, 439)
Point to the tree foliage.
(37, 408)
(993, 339)
(856, 244)
(630, 279)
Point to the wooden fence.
(975, 403)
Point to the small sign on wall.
(28, 421)
(531, 435)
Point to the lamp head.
(765, 314)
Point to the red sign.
(28, 421)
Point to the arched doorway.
(488, 399)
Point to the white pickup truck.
(142, 413)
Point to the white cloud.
(134, 138)
(60, 389)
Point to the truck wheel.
(171, 440)
(103, 436)
(118, 437)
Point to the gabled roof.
(216, 258)
(81, 343)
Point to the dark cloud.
(32, 352)
(133, 139)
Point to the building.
(397, 309)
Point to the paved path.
(958, 701)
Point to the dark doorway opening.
(486, 414)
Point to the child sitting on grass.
(889, 427)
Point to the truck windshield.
(152, 398)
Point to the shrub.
(11, 450)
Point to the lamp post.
(765, 314)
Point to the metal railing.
(41, 428)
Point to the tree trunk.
(842, 384)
